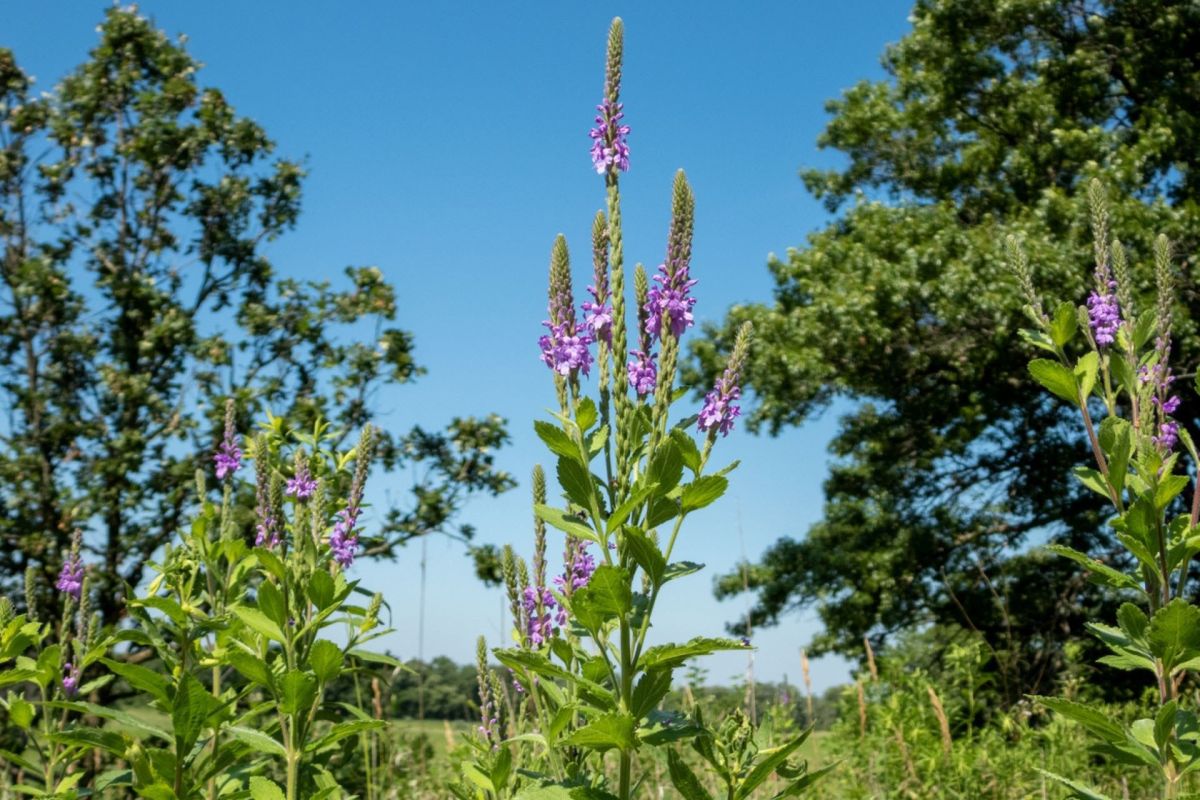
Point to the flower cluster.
(539, 603)
(565, 348)
(719, 410)
(228, 458)
(303, 484)
(343, 542)
(268, 529)
(643, 372)
(70, 680)
(1104, 314)
(610, 151)
(669, 300)
(70, 579)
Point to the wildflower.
(70, 680)
(267, 532)
(670, 300)
(719, 410)
(539, 602)
(579, 566)
(565, 348)
(610, 151)
(70, 579)
(643, 373)
(1168, 435)
(228, 458)
(1104, 314)
(598, 316)
(343, 542)
(303, 484)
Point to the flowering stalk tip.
(228, 458)
(719, 410)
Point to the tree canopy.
(951, 466)
(136, 295)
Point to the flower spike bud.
(70, 579)
(598, 315)
(615, 54)
(6, 611)
(228, 458)
(668, 308)
(1120, 265)
(565, 348)
(1098, 204)
(1164, 283)
(539, 527)
(1018, 262)
(719, 410)
(31, 593)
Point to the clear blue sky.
(447, 144)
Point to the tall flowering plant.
(587, 677)
(1111, 362)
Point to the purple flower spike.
(598, 317)
(669, 300)
(303, 484)
(540, 627)
(70, 579)
(566, 352)
(610, 151)
(70, 680)
(719, 410)
(643, 372)
(1168, 435)
(228, 458)
(343, 542)
(267, 533)
(1104, 315)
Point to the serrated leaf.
(673, 655)
(265, 789)
(256, 740)
(1063, 328)
(189, 710)
(556, 439)
(1056, 378)
(1093, 720)
(651, 688)
(1174, 633)
(325, 660)
(605, 733)
(1103, 572)
(1086, 369)
(645, 554)
(702, 491)
(259, 622)
(684, 780)
(298, 690)
(576, 481)
(566, 523)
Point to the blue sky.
(447, 144)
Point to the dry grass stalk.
(909, 766)
(871, 660)
(862, 709)
(943, 723)
(807, 684)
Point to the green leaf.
(630, 504)
(605, 733)
(1116, 440)
(556, 439)
(164, 604)
(140, 678)
(320, 589)
(1063, 328)
(688, 450)
(769, 761)
(673, 655)
(189, 710)
(1086, 369)
(1102, 572)
(1053, 376)
(645, 554)
(585, 414)
(608, 591)
(1092, 479)
(651, 688)
(576, 482)
(575, 526)
(681, 569)
(702, 491)
(256, 740)
(1081, 791)
(270, 603)
(665, 467)
(298, 690)
(325, 659)
(251, 667)
(1174, 633)
(1093, 720)
(265, 789)
(1168, 489)
(684, 780)
(259, 622)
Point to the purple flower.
(1104, 314)
(540, 627)
(643, 372)
(610, 151)
(669, 300)
(267, 533)
(1168, 435)
(1168, 406)
(580, 564)
(565, 351)
(343, 542)
(303, 484)
(70, 680)
(228, 458)
(719, 409)
(70, 579)
(598, 316)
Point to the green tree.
(949, 467)
(135, 295)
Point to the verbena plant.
(1111, 361)
(587, 680)
(229, 654)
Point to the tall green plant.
(1111, 361)
(589, 679)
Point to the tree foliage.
(136, 294)
(991, 120)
